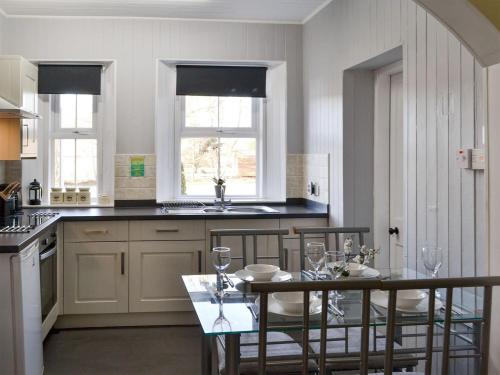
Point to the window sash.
(59, 132)
(256, 131)
(74, 133)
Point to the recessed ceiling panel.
(293, 11)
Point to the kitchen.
(114, 121)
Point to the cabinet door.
(29, 86)
(156, 268)
(9, 80)
(29, 139)
(95, 277)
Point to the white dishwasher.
(27, 318)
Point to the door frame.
(381, 160)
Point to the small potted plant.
(220, 187)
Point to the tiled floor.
(124, 351)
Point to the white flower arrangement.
(365, 255)
(348, 246)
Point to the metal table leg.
(206, 354)
(232, 354)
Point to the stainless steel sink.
(241, 210)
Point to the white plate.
(280, 276)
(380, 298)
(368, 273)
(275, 308)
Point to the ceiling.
(287, 11)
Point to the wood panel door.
(95, 277)
(396, 173)
(156, 268)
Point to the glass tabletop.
(239, 310)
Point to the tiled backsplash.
(135, 188)
(303, 169)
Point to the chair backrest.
(326, 232)
(366, 286)
(216, 240)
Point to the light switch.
(463, 158)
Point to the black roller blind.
(249, 81)
(69, 79)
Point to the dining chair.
(390, 354)
(254, 254)
(326, 232)
(283, 348)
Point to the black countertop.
(15, 242)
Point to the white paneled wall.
(135, 44)
(443, 112)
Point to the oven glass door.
(48, 279)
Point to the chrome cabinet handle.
(48, 254)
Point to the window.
(74, 142)
(219, 137)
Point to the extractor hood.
(17, 113)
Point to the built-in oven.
(48, 277)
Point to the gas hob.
(24, 223)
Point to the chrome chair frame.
(282, 257)
(366, 286)
(326, 232)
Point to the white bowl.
(356, 269)
(408, 299)
(292, 302)
(262, 272)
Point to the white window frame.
(275, 117)
(75, 133)
(257, 131)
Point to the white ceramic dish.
(279, 276)
(367, 273)
(356, 269)
(276, 309)
(380, 298)
(408, 299)
(262, 272)
(291, 302)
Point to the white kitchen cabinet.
(18, 83)
(95, 277)
(156, 268)
(29, 139)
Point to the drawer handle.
(123, 263)
(199, 261)
(167, 230)
(96, 231)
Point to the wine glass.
(432, 257)
(315, 252)
(336, 264)
(221, 259)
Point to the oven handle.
(48, 253)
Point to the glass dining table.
(238, 313)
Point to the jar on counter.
(56, 196)
(83, 196)
(69, 196)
